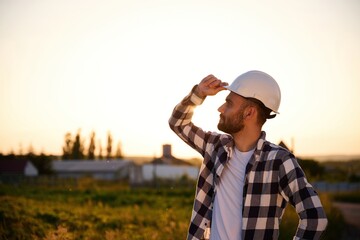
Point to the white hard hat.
(258, 85)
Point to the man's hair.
(263, 111)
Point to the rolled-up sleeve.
(299, 192)
(180, 122)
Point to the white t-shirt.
(227, 211)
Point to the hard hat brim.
(228, 87)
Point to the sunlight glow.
(122, 66)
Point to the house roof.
(89, 165)
(282, 144)
(171, 161)
(13, 166)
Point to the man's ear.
(250, 112)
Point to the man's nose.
(221, 108)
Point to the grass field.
(105, 210)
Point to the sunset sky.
(122, 65)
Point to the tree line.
(74, 147)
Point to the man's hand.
(210, 86)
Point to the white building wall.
(106, 170)
(149, 171)
(30, 169)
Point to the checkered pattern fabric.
(273, 178)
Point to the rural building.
(283, 145)
(98, 169)
(165, 167)
(20, 167)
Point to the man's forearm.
(313, 222)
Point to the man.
(244, 181)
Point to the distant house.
(283, 145)
(168, 159)
(165, 167)
(98, 169)
(18, 167)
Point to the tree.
(31, 150)
(91, 152)
(119, 151)
(312, 169)
(67, 149)
(100, 156)
(21, 152)
(78, 147)
(41, 162)
(109, 145)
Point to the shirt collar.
(259, 146)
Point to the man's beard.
(231, 125)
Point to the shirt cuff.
(192, 98)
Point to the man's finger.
(215, 83)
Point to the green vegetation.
(94, 210)
(342, 171)
(331, 171)
(108, 210)
(350, 197)
(314, 170)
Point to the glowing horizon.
(122, 67)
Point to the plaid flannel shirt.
(273, 178)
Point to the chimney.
(167, 151)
